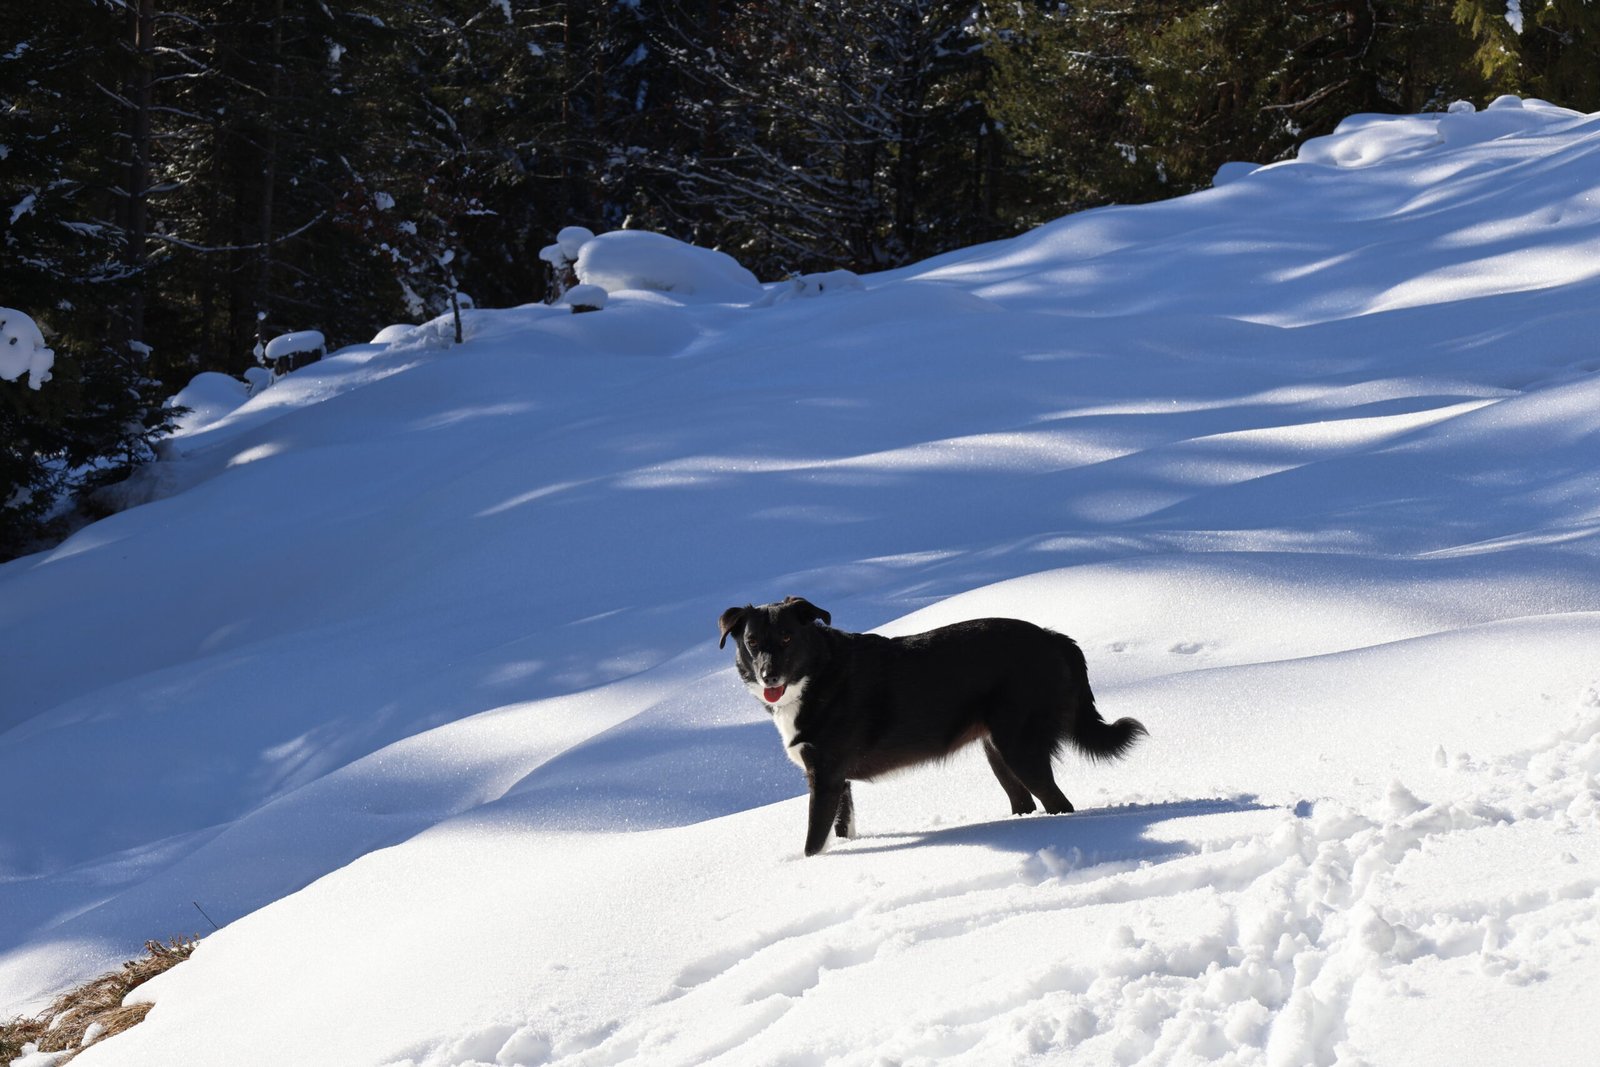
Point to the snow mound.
(639, 259)
(1229, 173)
(399, 331)
(22, 349)
(585, 296)
(807, 286)
(209, 396)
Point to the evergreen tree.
(65, 173)
(1060, 95)
(1544, 48)
(814, 132)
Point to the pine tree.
(819, 133)
(1060, 95)
(67, 262)
(1545, 48)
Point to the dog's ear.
(731, 619)
(807, 611)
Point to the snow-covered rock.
(585, 298)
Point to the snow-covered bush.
(22, 349)
(291, 351)
(641, 259)
(562, 255)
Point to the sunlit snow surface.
(411, 678)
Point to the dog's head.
(775, 645)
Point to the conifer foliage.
(180, 179)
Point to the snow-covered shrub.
(562, 255)
(291, 351)
(22, 349)
(641, 259)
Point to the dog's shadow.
(1099, 835)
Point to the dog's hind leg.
(845, 824)
(1031, 764)
(1021, 800)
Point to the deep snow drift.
(409, 674)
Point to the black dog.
(855, 706)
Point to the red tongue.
(772, 696)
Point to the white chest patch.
(784, 713)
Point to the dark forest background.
(182, 178)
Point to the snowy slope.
(408, 674)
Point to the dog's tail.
(1085, 730)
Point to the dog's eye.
(785, 638)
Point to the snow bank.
(1304, 462)
(22, 349)
(638, 259)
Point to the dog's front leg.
(828, 785)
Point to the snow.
(209, 396)
(410, 680)
(639, 259)
(398, 331)
(585, 296)
(296, 343)
(23, 207)
(22, 349)
(571, 240)
(807, 286)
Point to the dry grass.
(63, 1025)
